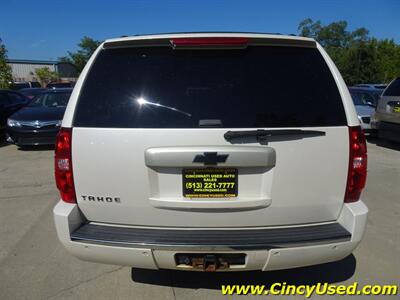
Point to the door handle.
(223, 156)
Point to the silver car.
(364, 100)
(387, 116)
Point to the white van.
(210, 151)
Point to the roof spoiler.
(172, 41)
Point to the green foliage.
(360, 58)
(5, 69)
(45, 75)
(388, 59)
(79, 58)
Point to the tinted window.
(17, 99)
(50, 100)
(20, 85)
(35, 84)
(4, 99)
(253, 87)
(393, 89)
(59, 85)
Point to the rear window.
(51, 100)
(393, 89)
(20, 85)
(36, 84)
(59, 85)
(165, 88)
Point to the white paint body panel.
(307, 184)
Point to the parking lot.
(34, 265)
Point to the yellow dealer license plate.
(210, 183)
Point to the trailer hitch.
(205, 262)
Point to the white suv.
(210, 151)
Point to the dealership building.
(24, 69)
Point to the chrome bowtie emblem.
(37, 124)
(210, 158)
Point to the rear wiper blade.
(262, 134)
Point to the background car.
(25, 85)
(380, 86)
(38, 123)
(10, 102)
(368, 94)
(387, 115)
(365, 100)
(32, 92)
(57, 85)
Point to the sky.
(47, 29)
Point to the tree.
(45, 75)
(79, 58)
(359, 57)
(5, 69)
(333, 35)
(359, 63)
(388, 59)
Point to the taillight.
(210, 42)
(63, 165)
(357, 174)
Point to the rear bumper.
(265, 248)
(208, 240)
